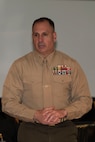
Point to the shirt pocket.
(61, 85)
(32, 82)
(61, 79)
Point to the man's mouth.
(41, 45)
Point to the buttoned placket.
(47, 89)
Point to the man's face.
(43, 38)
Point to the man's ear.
(55, 36)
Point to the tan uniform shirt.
(28, 87)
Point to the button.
(46, 86)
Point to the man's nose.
(40, 38)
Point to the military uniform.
(28, 87)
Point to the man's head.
(44, 36)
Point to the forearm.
(12, 105)
(79, 107)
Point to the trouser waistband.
(64, 123)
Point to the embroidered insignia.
(62, 70)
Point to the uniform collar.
(39, 58)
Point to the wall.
(75, 27)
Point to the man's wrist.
(35, 117)
(64, 118)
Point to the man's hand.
(49, 116)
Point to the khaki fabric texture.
(30, 87)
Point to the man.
(46, 89)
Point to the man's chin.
(42, 52)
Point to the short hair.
(42, 19)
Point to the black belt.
(61, 124)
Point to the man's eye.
(45, 34)
(35, 35)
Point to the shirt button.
(45, 86)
